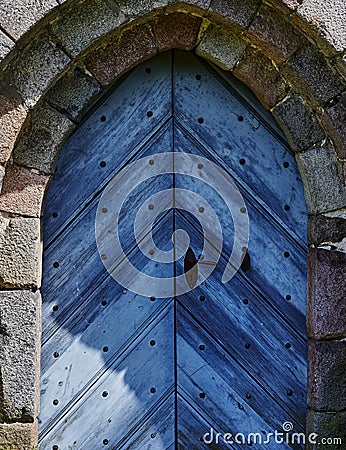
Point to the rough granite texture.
(239, 13)
(85, 23)
(326, 309)
(12, 117)
(23, 192)
(202, 4)
(72, 93)
(277, 37)
(20, 325)
(176, 30)
(326, 425)
(6, 45)
(220, 46)
(340, 64)
(20, 252)
(323, 229)
(299, 123)
(18, 436)
(285, 6)
(35, 68)
(137, 8)
(334, 120)
(328, 18)
(323, 186)
(122, 52)
(312, 76)
(258, 72)
(326, 375)
(40, 143)
(18, 16)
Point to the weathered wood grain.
(233, 133)
(127, 371)
(111, 136)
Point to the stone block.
(324, 229)
(72, 93)
(17, 17)
(85, 23)
(326, 307)
(42, 139)
(6, 45)
(326, 375)
(18, 436)
(299, 123)
(327, 17)
(258, 72)
(277, 37)
(35, 68)
(239, 13)
(327, 425)
(334, 120)
(324, 189)
(190, 5)
(222, 47)
(340, 64)
(23, 191)
(12, 117)
(20, 252)
(122, 52)
(311, 75)
(176, 30)
(20, 332)
(137, 8)
(285, 6)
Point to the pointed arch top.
(76, 50)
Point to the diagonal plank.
(121, 396)
(271, 271)
(108, 139)
(141, 363)
(232, 130)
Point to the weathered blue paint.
(123, 371)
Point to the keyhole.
(246, 263)
(191, 268)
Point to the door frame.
(42, 107)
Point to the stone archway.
(289, 54)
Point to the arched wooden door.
(122, 370)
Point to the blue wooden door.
(157, 364)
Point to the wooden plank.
(255, 324)
(65, 285)
(70, 301)
(277, 260)
(157, 433)
(108, 339)
(245, 96)
(120, 397)
(224, 385)
(233, 140)
(112, 141)
(110, 311)
(192, 427)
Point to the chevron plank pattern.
(125, 371)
